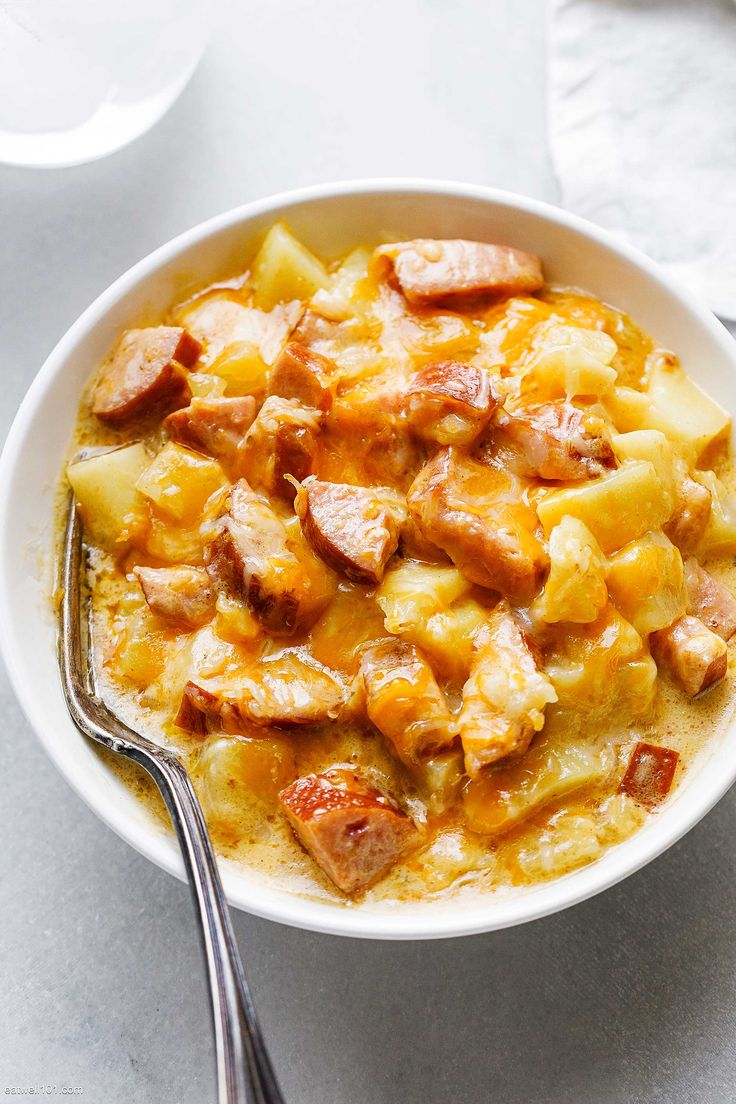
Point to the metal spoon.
(244, 1073)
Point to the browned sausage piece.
(476, 515)
(428, 270)
(353, 529)
(710, 600)
(353, 832)
(690, 516)
(505, 696)
(649, 774)
(450, 402)
(216, 427)
(404, 701)
(182, 594)
(301, 373)
(249, 557)
(696, 657)
(554, 441)
(202, 711)
(282, 441)
(145, 374)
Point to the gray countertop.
(629, 997)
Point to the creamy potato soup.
(419, 564)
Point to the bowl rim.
(429, 920)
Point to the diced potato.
(618, 818)
(617, 508)
(573, 361)
(646, 581)
(601, 670)
(180, 481)
(338, 301)
(627, 407)
(112, 509)
(505, 796)
(233, 770)
(439, 780)
(142, 649)
(202, 655)
(450, 857)
(412, 592)
(235, 623)
(241, 369)
(205, 386)
(719, 538)
(568, 842)
(576, 586)
(285, 269)
(682, 411)
(449, 637)
(651, 445)
(174, 544)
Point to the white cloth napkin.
(643, 129)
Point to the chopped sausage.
(353, 529)
(286, 691)
(504, 697)
(427, 270)
(404, 701)
(145, 374)
(182, 594)
(303, 374)
(450, 402)
(476, 515)
(216, 427)
(282, 441)
(690, 516)
(554, 441)
(696, 657)
(353, 832)
(248, 556)
(649, 774)
(710, 600)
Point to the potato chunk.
(505, 696)
(646, 581)
(476, 515)
(576, 585)
(719, 538)
(696, 657)
(285, 269)
(145, 374)
(353, 832)
(249, 557)
(111, 507)
(428, 270)
(572, 361)
(450, 403)
(179, 482)
(682, 411)
(232, 771)
(354, 529)
(616, 509)
(404, 701)
(505, 796)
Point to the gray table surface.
(630, 997)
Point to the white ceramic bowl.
(331, 219)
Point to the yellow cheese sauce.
(524, 817)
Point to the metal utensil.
(244, 1073)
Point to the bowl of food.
(409, 528)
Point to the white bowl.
(331, 218)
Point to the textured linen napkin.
(643, 129)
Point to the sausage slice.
(353, 832)
(249, 558)
(301, 373)
(554, 441)
(709, 600)
(404, 701)
(182, 594)
(145, 374)
(427, 270)
(476, 515)
(690, 516)
(504, 697)
(450, 402)
(353, 529)
(697, 658)
(649, 774)
(282, 441)
(216, 427)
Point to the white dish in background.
(330, 218)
